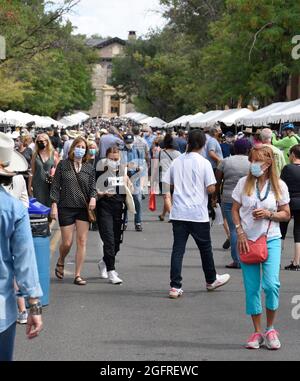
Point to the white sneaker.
(272, 341)
(219, 282)
(22, 317)
(175, 293)
(103, 270)
(113, 277)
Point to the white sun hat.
(10, 160)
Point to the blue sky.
(116, 17)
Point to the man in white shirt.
(192, 179)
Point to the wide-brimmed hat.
(103, 131)
(72, 134)
(248, 130)
(91, 137)
(11, 160)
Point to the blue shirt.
(17, 258)
(214, 145)
(108, 141)
(181, 143)
(132, 157)
(149, 140)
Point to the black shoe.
(143, 197)
(233, 265)
(138, 227)
(226, 244)
(292, 267)
(125, 227)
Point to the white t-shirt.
(190, 174)
(254, 229)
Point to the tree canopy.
(48, 68)
(212, 54)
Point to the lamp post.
(2, 48)
(254, 103)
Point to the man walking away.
(191, 178)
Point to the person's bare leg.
(256, 319)
(82, 230)
(297, 254)
(270, 318)
(67, 233)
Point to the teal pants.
(263, 276)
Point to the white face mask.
(129, 146)
(113, 164)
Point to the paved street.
(137, 321)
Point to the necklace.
(267, 192)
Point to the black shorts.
(68, 216)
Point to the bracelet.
(271, 216)
(35, 309)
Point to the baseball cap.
(128, 138)
(288, 126)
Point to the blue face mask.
(79, 152)
(92, 152)
(256, 169)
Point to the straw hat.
(72, 134)
(10, 160)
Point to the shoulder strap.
(81, 191)
(170, 157)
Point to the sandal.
(161, 218)
(59, 274)
(79, 281)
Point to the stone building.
(107, 102)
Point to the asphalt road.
(137, 321)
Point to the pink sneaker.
(272, 341)
(255, 341)
(175, 293)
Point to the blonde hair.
(26, 140)
(263, 154)
(49, 148)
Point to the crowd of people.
(92, 177)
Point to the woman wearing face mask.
(72, 190)
(111, 179)
(261, 202)
(43, 165)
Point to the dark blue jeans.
(7, 340)
(137, 198)
(201, 234)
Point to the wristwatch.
(35, 309)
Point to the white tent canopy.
(75, 119)
(21, 119)
(154, 122)
(204, 120)
(291, 113)
(231, 118)
(176, 122)
(136, 116)
(191, 118)
(265, 116)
